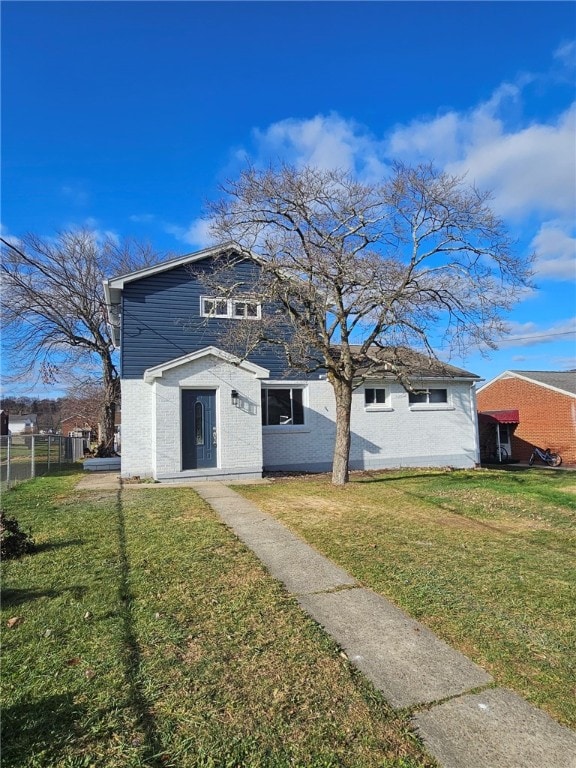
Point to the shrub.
(14, 542)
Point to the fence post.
(48, 469)
(33, 457)
(8, 458)
(60, 451)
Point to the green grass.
(485, 558)
(150, 636)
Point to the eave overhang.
(150, 374)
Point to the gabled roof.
(559, 381)
(158, 370)
(113, 285)
(404, 362)
(23, 417)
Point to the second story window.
(232, 308)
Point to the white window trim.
(230, 304)
(375, 407)
(447, 406)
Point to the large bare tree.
(54, 315)
(418, 261)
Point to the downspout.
(474, 409)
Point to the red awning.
(501, 417)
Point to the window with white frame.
(374, 396)
(232, 308)
(429, 396)
(282, 406)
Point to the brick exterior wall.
(392, 435)
(151, 421)
(395, 435)
(547, 417)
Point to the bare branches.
(417, 261)
(420, 254)
(53, 311)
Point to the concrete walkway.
(463, 720)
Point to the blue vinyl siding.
(161, 321)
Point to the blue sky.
(125, 116)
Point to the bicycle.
(547, 456)
(499, 455)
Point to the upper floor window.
(234, 308)
(282, 406)
(428, 396)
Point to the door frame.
(216, 425)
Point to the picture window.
(282, 407)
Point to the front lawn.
(485, 558)
(143, 633)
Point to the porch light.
(234, 395)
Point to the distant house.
(78, 426)
(193, 409)
(527, 409)
(23, 423)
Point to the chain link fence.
(23, 457)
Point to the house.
(193, 409)
(543, 405)
(23, 423)
(78, 426)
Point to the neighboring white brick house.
(190, 409)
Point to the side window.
(374, 396)
(428, 396)
(282, 407)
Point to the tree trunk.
(108, 412)
(343, 395)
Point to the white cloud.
(566, 54)
(196, 234)
(142, 218)
(530, 171)
(325, 141)
(531, 334)
(555, 250)
(92, 225)
(12, 239)
(75, 193)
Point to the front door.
(198, 428)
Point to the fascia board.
(503, 375)
(118, 283)
(515, 375)
(158, 370)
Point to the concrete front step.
(216, 474)
(111, 464)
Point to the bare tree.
(54, 315)
(418, 261)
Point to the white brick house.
(190, 409)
